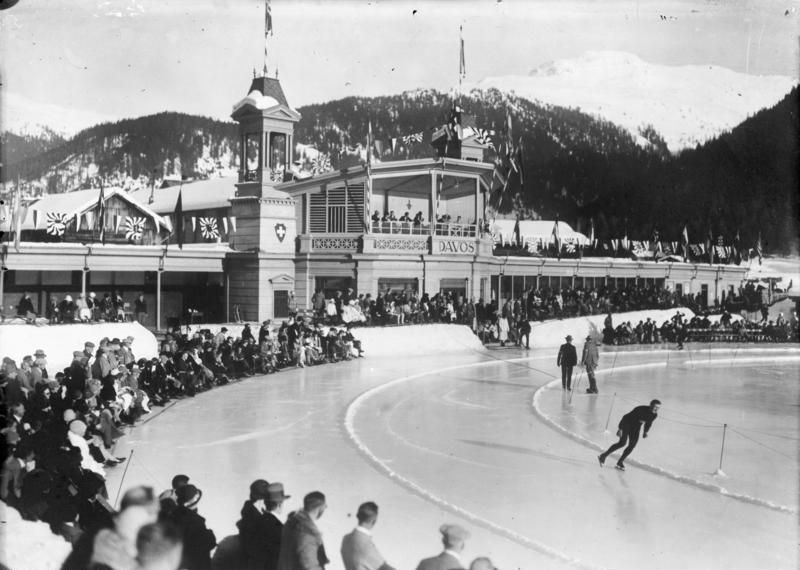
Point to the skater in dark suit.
(629, 427)
(567, 359)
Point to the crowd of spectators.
(85, 308)
(60, 434)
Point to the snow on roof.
(503, 231)
(78, 202)
(257, 100)
(201, 195)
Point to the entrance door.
(281, 304)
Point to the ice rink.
(487, 439)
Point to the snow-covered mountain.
(24, 116)
(686, 104)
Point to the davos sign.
(455, 246)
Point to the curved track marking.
(349, 426)
(646, 466)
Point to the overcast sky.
(126, 58)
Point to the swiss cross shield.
(280, 231)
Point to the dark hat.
(88, 343)
(128, 340)
(188, 495)
(40, 353)
(454, 531)
(275, 492)
(27, 358)
(115, 341)
(77, 354)
(259, 489)
(569, 337)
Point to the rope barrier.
(762, 444)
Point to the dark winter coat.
(567, 355)
(198, 540)
(260, 534)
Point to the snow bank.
(29, 544)
(551, 334)
(416, 340)
(59, 341)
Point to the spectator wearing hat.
(25, 307)
(567, 359)
(454, 539)
(302, 547)
(358, 550)
(39, 366)
(82, 308)
(66, 310)
(260, 529)
(589, 360)
(77, 438)
(198, 539)
(168, 499)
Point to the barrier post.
(608, 420)
(722, 450)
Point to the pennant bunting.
(225, 224)
(233, 223)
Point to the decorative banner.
(233, 223)
(225, 224)
(117, 222)
(89, 220)
(56, 224)
(35, 219)
(134, 228)
(209, 228)
(321, 164)
(194, 224)
(415, 138)
(484, 136)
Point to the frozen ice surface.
(454, 438)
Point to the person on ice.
(629, 427)
(567, 359)
(589, 360)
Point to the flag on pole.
(368, 193)
(101, 214)
(685, 243)
(179, 217)
(759, 252)
(267, 31)
(233, 223)
(462, 66)
(710, 247)
(16, 215)
(35, 219)
(557, 238)
(737, 253)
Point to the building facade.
(258, 247)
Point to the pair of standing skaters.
(568, 359)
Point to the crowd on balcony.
(59, 438)
(445, 225)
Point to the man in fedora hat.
(454, 538)
(589, 360)
(358, 551)
(260, 528)
(567, 359)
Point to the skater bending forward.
(629, 427)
